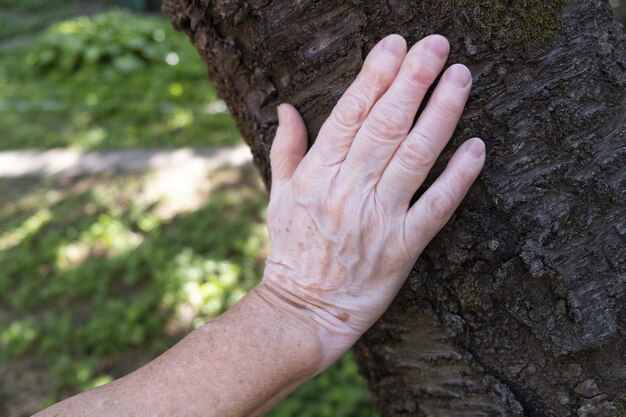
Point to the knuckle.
(449, 105)
(416, 155)
(461, 177)
(376, 72)
(440, 205)
(421, 76)
(389, 121)
(351, 111)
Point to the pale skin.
(344, 237)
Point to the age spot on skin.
(343, 316)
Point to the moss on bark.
(620, 404)
(527, 22)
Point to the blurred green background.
(99, 274)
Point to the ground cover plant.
(96, 281)
(112, 80)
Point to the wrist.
(300, 343)
(330, 325)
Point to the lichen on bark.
(621, 406)
(525, 23)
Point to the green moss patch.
(513, 23)
(114, 80)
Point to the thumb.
(289, 146)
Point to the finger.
(435, 207)
(289, 145)
(392, 116)
(414, 158)
(379, 70)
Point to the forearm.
(239, 364)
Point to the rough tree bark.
(518, 308)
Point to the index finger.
(378, 71)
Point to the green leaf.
(128, 63)
(93, 54)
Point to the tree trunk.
(518, 308)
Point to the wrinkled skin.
(343, 234)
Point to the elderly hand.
(344, 239)
(343, 235)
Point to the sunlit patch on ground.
(107, 269)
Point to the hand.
(343, 235)
(344, 239)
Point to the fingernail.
(458, 75)
(438, 45)
(394, 44)
(476, 147)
